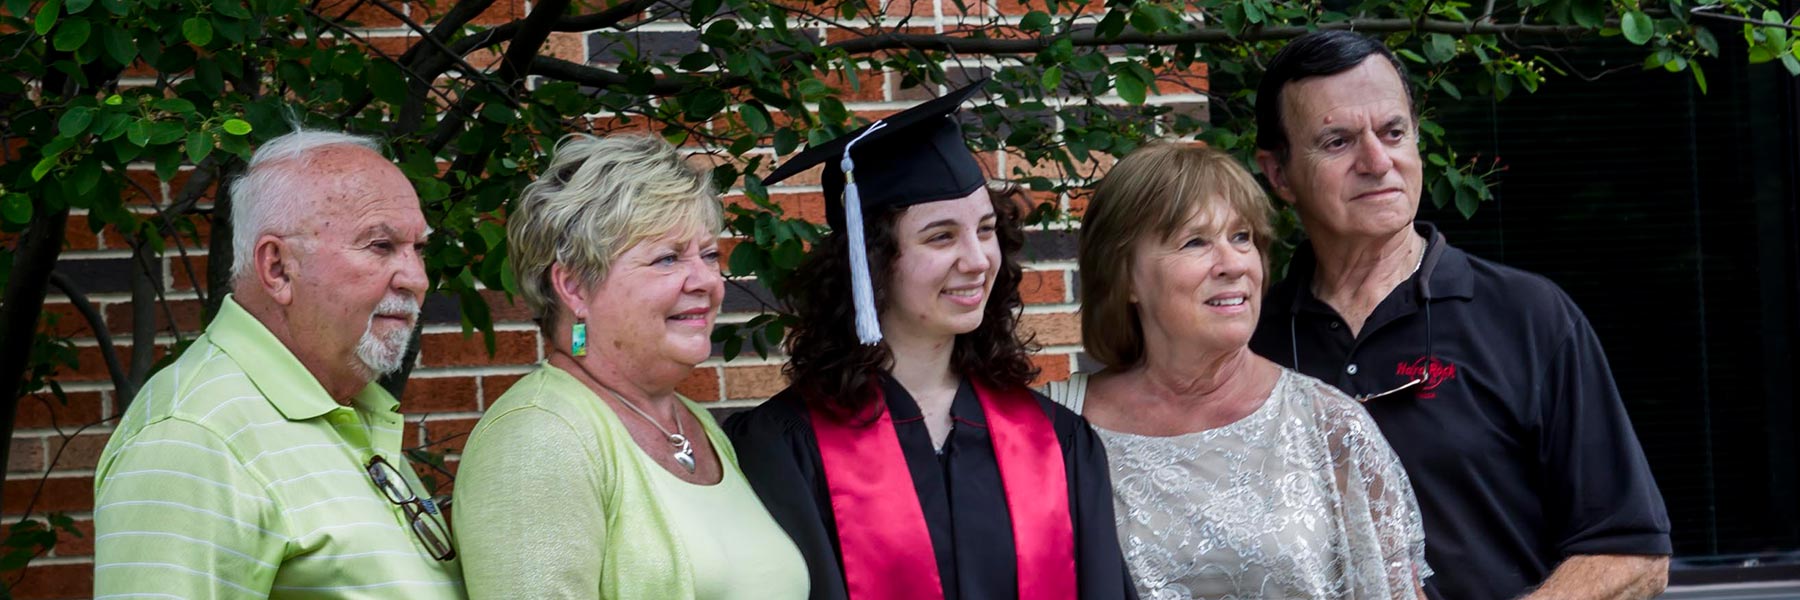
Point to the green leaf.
(235, 10)
(75, 122)
(237, 127)
(138, 133)
(1130, 88)
(174, 105)
(788, 254)
(1431, 127)
(755, 118)
(1637, 27)
(73, 33)
(119, 45)
(700, 10)
(1052, 79)
(733, 347)
(704, 103)
(812, 89)
(1699, 75)
(199, 145)
(1035, 20)
(785, 141)
(167, 165)
(387, 81)
(1449, 88)
(76, 6)
(1252, 12)
(1590, 14)
(1440, 47)
(696, 61)
(745, 260)
(1111, 25)
(1706, 41)
(46, 17)
(1437, 159)
(1466, 201)
(198, 31)
(16, 208)
(1441, 193)
(164, 132)
(43, 167)
(1409, 55)
(86, 176)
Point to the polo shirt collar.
(275, 371)
(1446, 269)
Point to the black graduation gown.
(960, 493)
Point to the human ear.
(570, 290)
(273, 265)
(1277, 174)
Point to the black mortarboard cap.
(913, 157)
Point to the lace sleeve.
(1380, 513)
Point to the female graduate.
(908, 458)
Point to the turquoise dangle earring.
(578, 339)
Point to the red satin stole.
(886, 546)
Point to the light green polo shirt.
(234, 475)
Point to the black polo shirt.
(1518, 446)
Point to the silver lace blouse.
(1303, 498)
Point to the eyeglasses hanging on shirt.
(1430, 351)
(422, 514)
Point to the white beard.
(381, 354)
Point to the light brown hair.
(599, 197)
(1155, 190)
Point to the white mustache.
(397, 306)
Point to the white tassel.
(862, 289)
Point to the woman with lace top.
(1232, 477)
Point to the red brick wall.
(455, 379)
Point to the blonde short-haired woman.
(591, 477)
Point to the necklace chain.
(678, 438)
(684, 448)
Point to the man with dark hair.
(1487, 381)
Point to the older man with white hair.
(264, 462)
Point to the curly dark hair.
(831, 369)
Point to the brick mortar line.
(48, 433)
(57, 561)
(480, 371)
(12, 518)
(432, 417)
(475, 334)
(66, 473)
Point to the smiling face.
(1353, 168)
(1201, 287)
(358, 277)
(948, 255)
(652, 315)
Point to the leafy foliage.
(185, 89)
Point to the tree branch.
(675, 84)
(601, 20)
(123, 386)
(144, 295)
(514, 66)
(33, 262)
